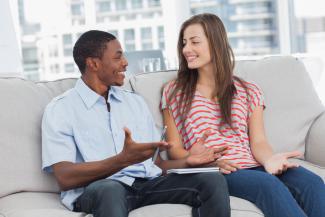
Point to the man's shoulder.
(128, 93)
(62, 99)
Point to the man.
(100, 167)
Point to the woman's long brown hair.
(222, 58)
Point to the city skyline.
(253, 29)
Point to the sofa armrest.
(315, 142)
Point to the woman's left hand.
(278, 163)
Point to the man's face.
(112, 65)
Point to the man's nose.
(125, 62)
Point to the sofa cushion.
(32, 204)
(22, 105)
(291, 101)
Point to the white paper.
(194, 170)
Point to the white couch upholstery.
(294, 118)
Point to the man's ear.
(92, 63)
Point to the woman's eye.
(195, 42)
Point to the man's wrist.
(122, 161)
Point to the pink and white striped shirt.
(205, 114)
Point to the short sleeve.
(57, 140)
(164, 103)
(255, 97)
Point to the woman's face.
(196, 47)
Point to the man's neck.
(96, 85)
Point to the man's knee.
(108, 190)
(213, 183)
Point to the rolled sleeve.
(167, 90)
(256, 97)
(57, 140)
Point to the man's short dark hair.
(90, 44)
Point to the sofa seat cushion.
(320, 171)
(35, 204)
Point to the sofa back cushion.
(22, 105)
(291, 101)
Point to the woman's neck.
(206, 77)
(206, 83)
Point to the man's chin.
(119, 84)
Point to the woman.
(206, 98)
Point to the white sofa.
(294, 118)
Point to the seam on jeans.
(198, 210)
(173, 189)
(252, 211)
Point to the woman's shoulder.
(169, 86)
(246, 84)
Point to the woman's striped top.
(204, 115)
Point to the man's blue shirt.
(77, 127)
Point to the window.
(129, 34)
(120, 5)
(30, 55)
(67, 39)
(136, 4)
(69, 67)
(55, 68)
(113, 32)
(103, 6)
(146, 38)
(161, 37)
(77, 9)
(129, 39)
(67, 51)
(154, 3)
(146, 33)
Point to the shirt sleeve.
(164, 103)
(57, 139)
(255, 97)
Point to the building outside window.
(69, 68)
(161, 38)
(120, 5)
(77, 9)
(129, 39)
(103, 6)
(136, 4)
(153, 3)
(146, 38)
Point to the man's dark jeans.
(207, 193)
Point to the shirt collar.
(90, 97)
(116, 93)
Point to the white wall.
(10, 55)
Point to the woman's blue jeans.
(296, 193)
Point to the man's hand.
(200, 155)
(279, 163)
(134, 152)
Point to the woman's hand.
(278, 163)
(226, 167)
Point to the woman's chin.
(192, 66)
